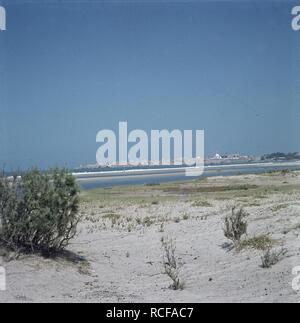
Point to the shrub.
(270, 258)
(171, 264)
(39, 211)
(235, 226)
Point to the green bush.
(38, 211)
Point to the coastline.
(181, 169)
(92, 180)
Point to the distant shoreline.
(90, 180)
(182, 169)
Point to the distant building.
(216, 157)
(234, 156)
(228, 158)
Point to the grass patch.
(279, 207)
(147, 221)
(127, 195)
(235, 225)
(209, 189)
(261, 242)
(113, 217)
(272, 257)
(152, 184)
(253, 204)
(222, 198)
(185, 216)
(201, 203)
(282, 172)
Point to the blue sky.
(71, 68)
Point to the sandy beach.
(117, 255)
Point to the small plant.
(147, 221)
(201, 203)
(84, 268)
(171, 263)
(261, 242)
(152, 184)
(272, 257)
(185, 216)
(235, 226)
(161, 227)
(113, 217)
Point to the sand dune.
(117, 255)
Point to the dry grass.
(261, 242)
(171, 263)
(272, 257)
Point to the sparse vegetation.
(201, 203)
(272, 257)
(185, 216)
(283, 172)
(147, 221)
(84, 268)
(201, 243)
(155, 202)
(279, 207)
(161, 227)
(235, 226)
(113, 217)
(177, 219)
(152, 184)
(171, 263)
(262, 242)
(38, 211)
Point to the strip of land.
(118, 255)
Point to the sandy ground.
(118, 255)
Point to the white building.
(216, 157)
